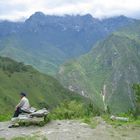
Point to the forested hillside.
(109, 70)
(42, 90)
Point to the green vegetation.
(68, 110)
(74, 110)
(35, 137)
(88, 113)
(136, 111)
(133, 115)
(116, 123)
(46, 42)
(42, 90)
(44, 58)
(2, 138)
(110, 68)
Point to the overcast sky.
(19, 9)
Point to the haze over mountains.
(46, 41)
(88, 55)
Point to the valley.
(110, 69)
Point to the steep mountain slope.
(108, 70)
(41, 89)
(46, 41)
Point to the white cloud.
(15, 9)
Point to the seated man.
(23, 105)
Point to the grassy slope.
(41, 89)
(113, 62)
(25, 49)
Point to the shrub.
(68, 110)
(74, 110)
(92, 110)
(136, 111)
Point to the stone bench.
(39, 116)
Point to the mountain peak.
(88, 15)
(38, 14)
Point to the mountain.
(46, 41)
(41, 89)
(108, 71)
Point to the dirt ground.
(73, 130)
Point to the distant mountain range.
(42, 90)
(108, 71)
(46, 41)
(98, 59)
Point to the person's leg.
(17, 112)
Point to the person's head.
(22, 94)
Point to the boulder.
(119, 118)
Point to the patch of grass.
(26, 123)
(117, 123)
(135, 121)
(73, 110)
(68, 110)
(2, 138)
(30, 138)
(90, 121)
(5, 117)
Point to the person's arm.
(20, 104)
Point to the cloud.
(16, 9)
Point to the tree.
(136, 88)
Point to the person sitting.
(23, 106)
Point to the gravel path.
(72, 130)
